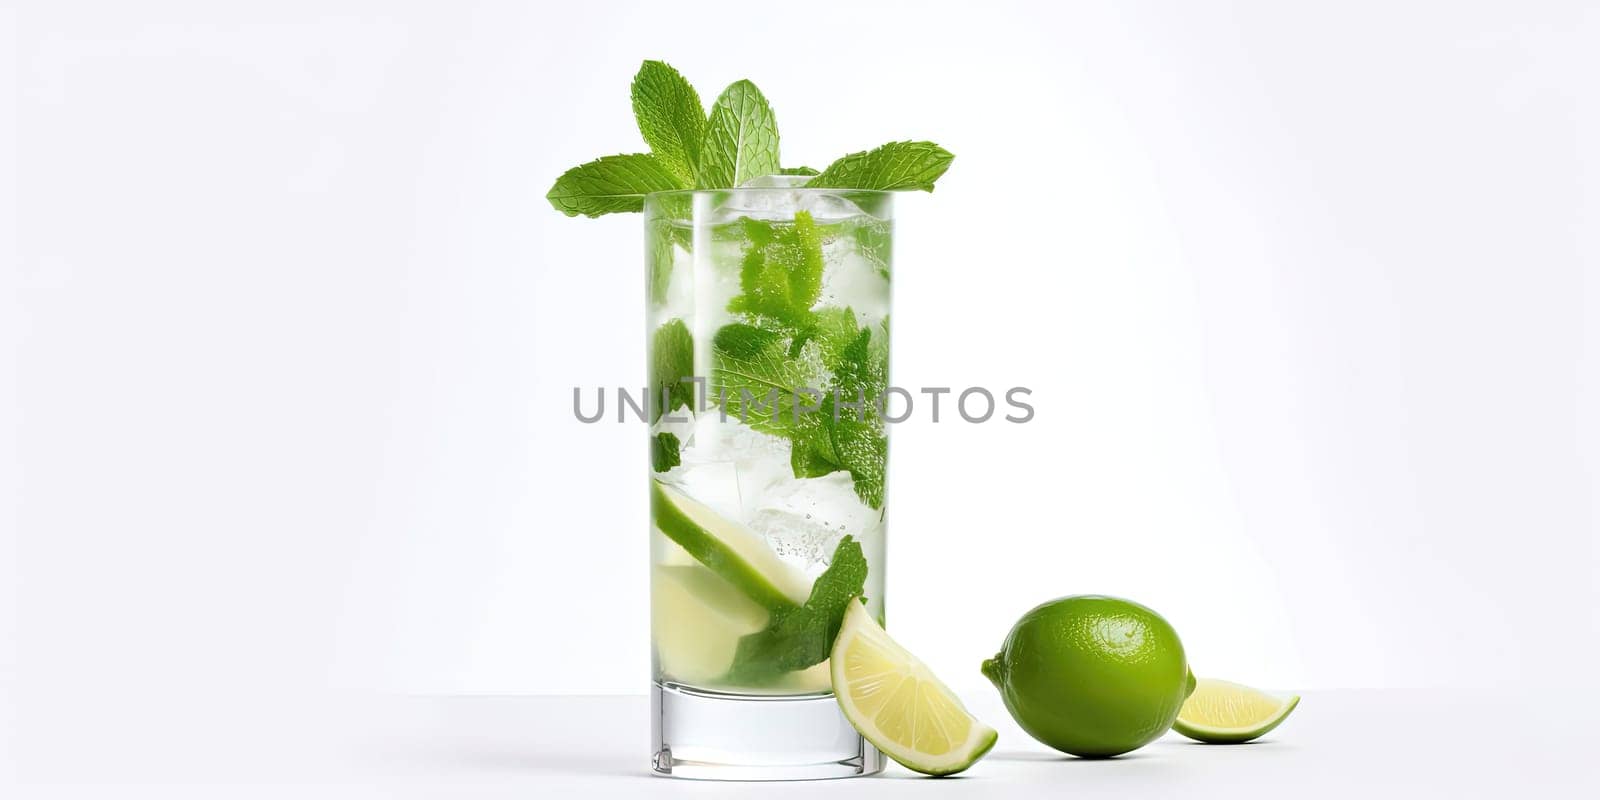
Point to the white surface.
(1336, 745)
(1306, 293)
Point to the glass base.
(738, 737)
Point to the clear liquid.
(744, 470)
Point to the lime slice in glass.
(895, 701)
(1220, 712)
(734, 552)
(697, 621)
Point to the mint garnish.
(611, 184)
(787, 344)
(896, 165)
(671, 360)
(741, 139)
(795, 639)
(670, 118)
(738, 142)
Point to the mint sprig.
(741, 139)
(894, 166)
(799, 638)
(611, 184)
(738, 141)
(670, 118)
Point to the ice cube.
(679, 422)
(803, 519)
(825, 207)
(714, 483)
(856, 281)
(780, 203)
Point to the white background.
(1306, 294)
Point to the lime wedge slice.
(1220, 712)
(696, 620)
(895, 701)
(734, 552)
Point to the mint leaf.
(781, 275)
(799, 638)
(611, 184)
(873, 243)
(670, 117)
(756, 380)
(741, 140)
(831, 328)
(671, 360)
(811, 447)
(661, 240)
(748, 360)
(896, 165)
(859, 442)
(664, 452)
(797, 171)
(770, 365)
(666, 242)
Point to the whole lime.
(1093, 676)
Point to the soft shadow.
(1023, 755)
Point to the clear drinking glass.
(768, 337)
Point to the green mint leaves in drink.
(781, 273)
(754, 377)
(857, 437)
(664, 452)
(797, 638)
(766, 369)
(671, 363)
(735, 143)
(767, 378)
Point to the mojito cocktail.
(769, 360)
(768, 320)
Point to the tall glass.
(769, 339)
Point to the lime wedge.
(734, 552)
(1220, 712)
(895, 701)
(696, 620)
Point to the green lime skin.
(1092, 676)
